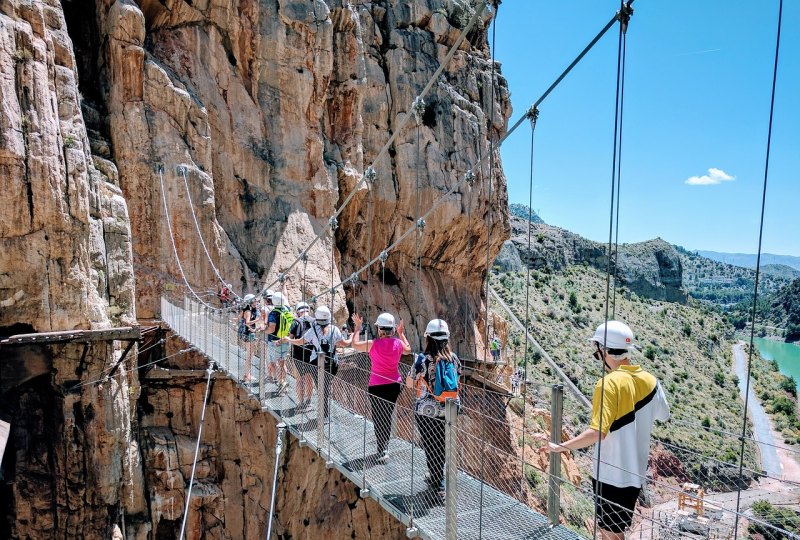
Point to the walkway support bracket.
(451, 469)
(554, 476)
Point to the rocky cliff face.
(652, 269)
(275, 109)
(118, 114)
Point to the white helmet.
(267, 294)
(301, 306)
(614, 335)
(248, 298)
(385, 320)
(322, 315)
(437, 329)
(278, 299)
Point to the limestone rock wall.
(275, 108)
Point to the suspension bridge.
(495, 486)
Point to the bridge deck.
(348, 444)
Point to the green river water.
(786, 354)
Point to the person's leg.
(432, 438)
(614, 506)
(382, 398)
(248, 358)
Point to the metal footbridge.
(470, 508)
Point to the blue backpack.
(445, 386)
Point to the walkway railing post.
(320, 401)
(226, 321)
(554, 477)
(263, 350)
(451, 469)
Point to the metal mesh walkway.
(347, 441)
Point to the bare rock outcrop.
(652, 269)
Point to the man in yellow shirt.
(626, 403)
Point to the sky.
(696, 111)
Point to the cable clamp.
(383, 257)
(469, 177)
(418, 108)
(158, 168)
(353, 279)
(370, 175)
(333, 292)
(333, 223)
(532, 114)
(421, 224)
(624, 15)
(281, 277)
(182, 170)
(304, 257)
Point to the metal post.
(364, 488)
(320, 401)
(226, 322)
(451, 469)
(205, 331)
(262, 367)
(278, 449)
(554, 480)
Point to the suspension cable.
(758, 257)
(534, 116)
(490, 182)
(209, 372)
(623, 15)
(172, 239)
(182, 171)
(619, 177)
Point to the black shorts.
(614, 505)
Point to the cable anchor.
(281, 277)
(383, 257)
(418, 108)
(304, 257)
(182, 170)
(353, 279)
(421, 224)
(333, 223)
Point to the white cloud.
(714, 176)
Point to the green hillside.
(726, 285)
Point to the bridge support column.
(554, 477)
(451, 469)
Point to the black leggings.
(382, 397)
(431, 433)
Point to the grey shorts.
(277, 351)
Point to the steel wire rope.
(112, 369)
(534, 116)
(737, 435)
(172, 239)
(619, 180)
(182, 170)
(758, 256)
(209, 372)
(480, 7)
(490, 183)
(623, 15)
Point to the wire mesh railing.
(479, 473)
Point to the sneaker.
(383, 458)
(303, 405)
(440, 488)
(282, 386)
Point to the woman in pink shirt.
(385, 381)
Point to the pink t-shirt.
(385, 355)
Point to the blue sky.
(697, 94)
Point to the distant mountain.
(748, 260)
(521, 211)
(651, 269)
(726, 284)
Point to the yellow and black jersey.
(625, 404)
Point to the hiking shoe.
(303, 405)
(281, 387)
(383, 458)
(440, 488)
